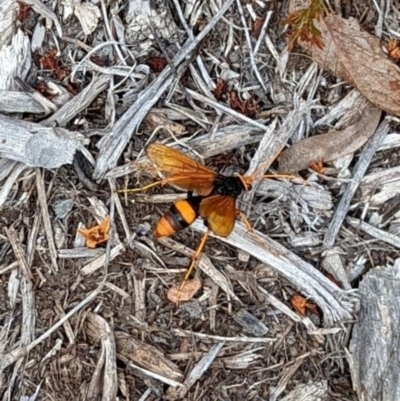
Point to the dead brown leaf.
(157, 64)
(301, 305)
(258, 23)
(333, 279)
(50, 61)
(247, 107)
(96, 235)
(359, 125)
(146, 355)
(23, 11)
(220, 89)
(317, 166)
(356, 56)
(182, 293)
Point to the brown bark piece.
(146, 356)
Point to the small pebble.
(62, 207)
(143, 229)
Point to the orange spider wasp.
(211, 195)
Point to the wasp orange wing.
(180, 170)
(220, 212)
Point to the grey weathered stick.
(31, 246)
(19, 102)
(8, 12)
(37, 146)
(285, 378)
(106, 337)
(9, 358)
(335, 303)
(200, 368)
(47, 105)
(284, 308)
(211, 337)
(46, 12)
(380, 186)
(80, 253)
(314, 196)
(28, 325)
(228, 138)
(271, 145)
(262, 32)
(154, 375)
(100, 261)
(139, 281)
(70, 109)
(225, 109)
(40, 186)
(333, 264)
(373, 357)
(28, 312)
(6, 167)
(375, 232)
(146, 355)
(28, 302)
(112, 145)
(359, 172)
(250, 48)
(202, 68)
(19, 252)
(120, 209)
(13, 176)
(314, 391)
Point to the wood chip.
(145, 355)
(38, 146)
(359, 172)
(250, 324)
(373, 362)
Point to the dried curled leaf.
(301, 305)
(96, 235)
(182, 293)
(356, 56)
(258, 24)
(317, 166)
(220, 89)
(157, 64)
(393, 50)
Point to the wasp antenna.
(244, 220)
(288, 176)
(280, 176)
(153, 184)
(246, 181)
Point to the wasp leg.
(195, 257)
(245, 220)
